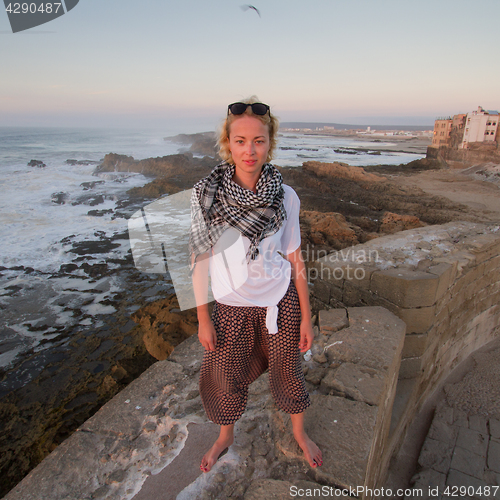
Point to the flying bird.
(246, 7)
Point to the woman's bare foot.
(311, 451)
(223, 442)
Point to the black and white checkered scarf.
(217, 203)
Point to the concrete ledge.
(365, 358)
(406, 288)
(150, 438)
(129, 438)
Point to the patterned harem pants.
(244, 351)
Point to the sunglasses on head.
(238, 108)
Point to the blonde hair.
(268, 119)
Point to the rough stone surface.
(330, 421)
(359, 383)
(184, 469)
(479, 392)
(441, 430)
(164, 326)
(406, 288)
(436, 455)
(71, 473)
(457, 478)
(126, 413)
(330, 230)
(341, 170)
(478, 423)
(476, 451)
(468, 462)
(332, 320)
(473, 441)
(494, 456)
(410, 368)
(495, 428)
(360, 342)
(414, 345)
(392, 223)
(428, 478)
(417, 320)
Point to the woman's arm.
(206, 330)
(300, 280)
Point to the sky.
(150, 63)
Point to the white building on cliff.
(480, 126)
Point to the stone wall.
(442, 281)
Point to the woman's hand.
(207, 335)
(306, 335)
(206, 330)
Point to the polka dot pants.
(244, 351)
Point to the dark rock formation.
(164, 326)
(413, 167)
(166, 166)
(90, 185)
(204, 143)
(350, 199)
(59, 198)
(99, 213)
(340, 170)
(326, 230)
(393, 223)
(36, 163)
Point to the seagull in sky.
(246, 7)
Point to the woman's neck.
(247, 181)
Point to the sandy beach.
(482, 197)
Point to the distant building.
(442, 132)
(466, 139)
(461, 130)
(480, 126)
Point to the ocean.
(47, 212)
(294, 149)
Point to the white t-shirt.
(264, 281)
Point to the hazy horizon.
(194, 126)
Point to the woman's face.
(249, 144)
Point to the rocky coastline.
(340, 206)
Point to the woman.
(245, 231)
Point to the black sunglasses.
(238, 108)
